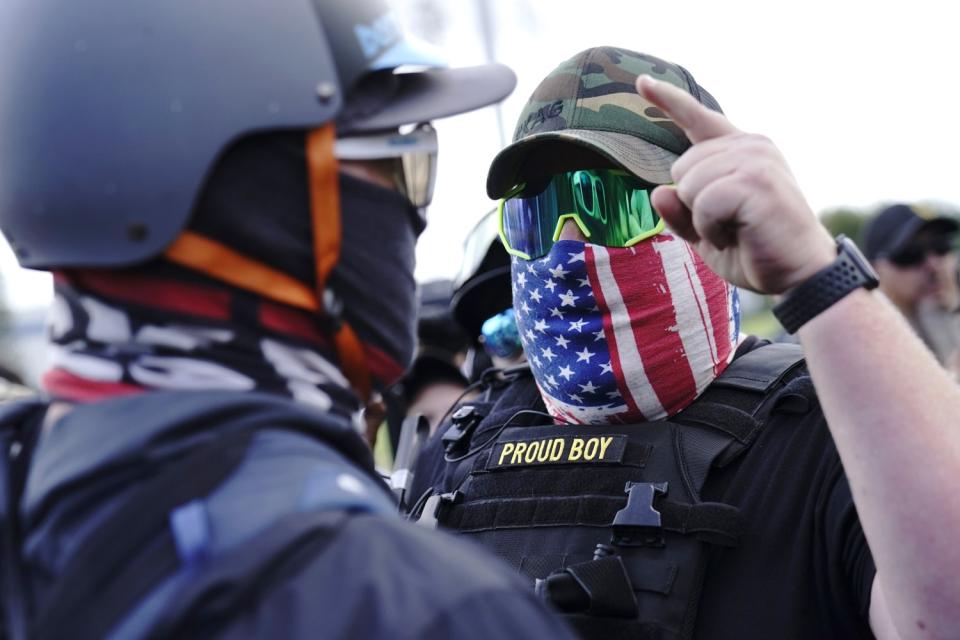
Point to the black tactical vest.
(607, 522)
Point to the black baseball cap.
(482, 297)
(891, 229)
(483, 288)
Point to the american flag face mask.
(623, 335)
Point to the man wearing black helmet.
(482, 304)
(228, 205)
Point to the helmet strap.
(205, 255)
(323, 172)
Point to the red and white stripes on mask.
(617, 335)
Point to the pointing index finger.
(696, 120)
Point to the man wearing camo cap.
(660, 474)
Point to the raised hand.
(736, 201)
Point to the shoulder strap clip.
(465, 420)
(434, 506)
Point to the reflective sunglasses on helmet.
(414, 156)
(611, 207)
(500, 336)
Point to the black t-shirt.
(803, 568)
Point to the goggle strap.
(323, 171)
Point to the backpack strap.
(231, 582)
(160, 529)
(134, 549)
(19, 426)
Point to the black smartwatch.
(848, 272)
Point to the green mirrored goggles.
(611, 207)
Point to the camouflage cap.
(589, 105)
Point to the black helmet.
(113, 112)
(483, 286)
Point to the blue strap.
(190, 525)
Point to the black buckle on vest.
(434, 506)
(465, 420)
(638, 524)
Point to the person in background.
(473, 330)
(229, 201)
(914, 253)
(434, 381)
(431, 386)
(483, 302)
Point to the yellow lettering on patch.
(518, 453)
(532, 450)
(544, 454)
(604, 443)
(553, 450)
(576, 449)
(590, 449)
(556, 449)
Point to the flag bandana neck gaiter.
(159, 327)
(621, 335)
(164, 326)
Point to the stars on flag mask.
(620, 335)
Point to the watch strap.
(848, 272)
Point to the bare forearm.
(895, 417)
(893, 412)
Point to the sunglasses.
(915, 253)
(412, 155)
(610, 206)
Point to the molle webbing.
(710, 521)
(607, 521)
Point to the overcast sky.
(861, 97)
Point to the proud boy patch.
(558, 450)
